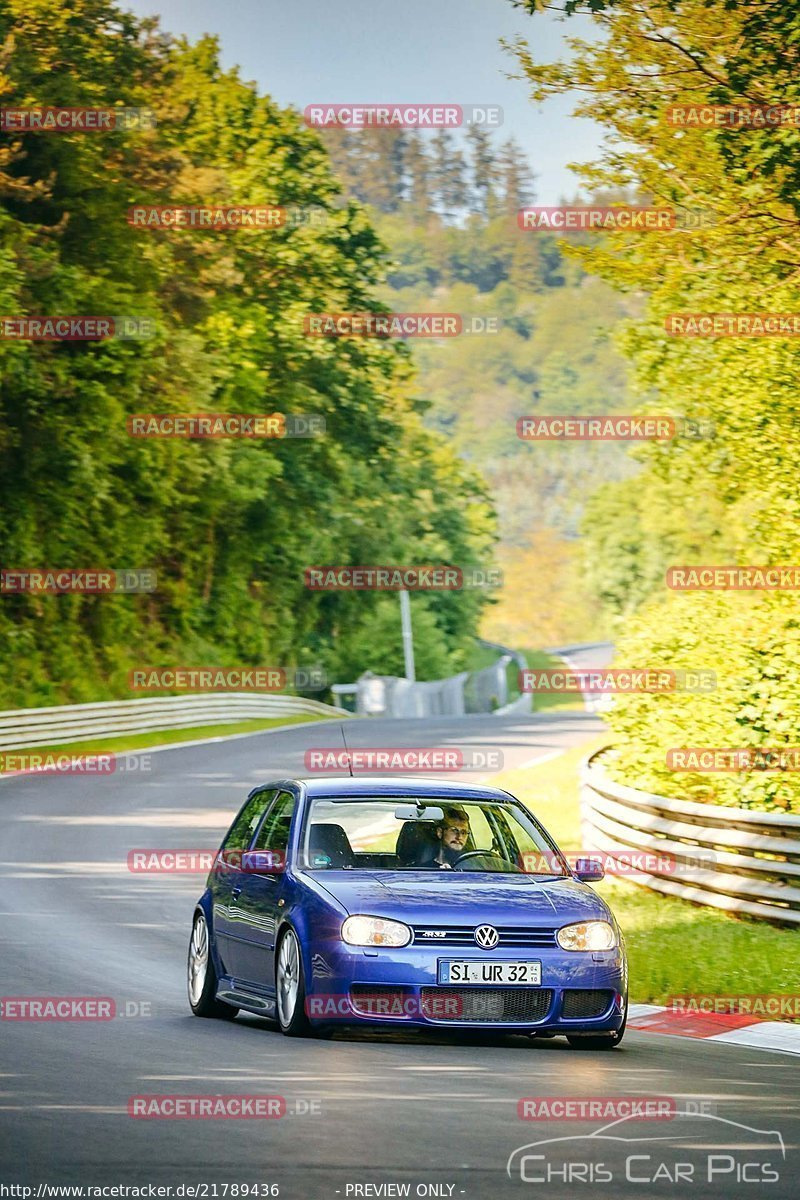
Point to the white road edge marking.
(537, 759)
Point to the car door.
(259, 893)
(227, 877)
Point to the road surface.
(433, 1113)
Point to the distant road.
(588, 654)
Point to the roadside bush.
(752, 644)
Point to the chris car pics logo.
(696, 1148)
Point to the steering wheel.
(475, 854)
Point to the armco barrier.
(392, 696)
(75, 722)
(750, 860)
(524, 702)
(484, 691)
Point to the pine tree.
(484, 170)
(449, 175)
(419, 173)
(515, 177)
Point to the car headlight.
(375, 931)
(587, 935)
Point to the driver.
(452, 834)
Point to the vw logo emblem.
(487, 937)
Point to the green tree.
(227, 526)
(733, 496)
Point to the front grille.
(486, 1006)
(464, 935)
(382, 1000)
(585, 1003)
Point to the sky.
(425, 51)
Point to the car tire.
(290, 988)
(201, 975)
(599, 1041)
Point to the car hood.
(455, 898)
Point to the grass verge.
(674, 947)
(538, 660)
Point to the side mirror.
(588, 870)
(263, 862)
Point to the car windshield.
(395, 834)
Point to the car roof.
(364, 787)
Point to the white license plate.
(487, 973)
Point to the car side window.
(274, 833)
(245, 825)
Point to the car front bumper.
(354, 985)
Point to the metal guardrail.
(522, 705)
(750, 861)
(61, 724)
(392, 696)
(524, 701)
(484, 691)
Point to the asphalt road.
(366, 1111)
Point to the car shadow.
(392, 1035)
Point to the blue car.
(429, 904)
